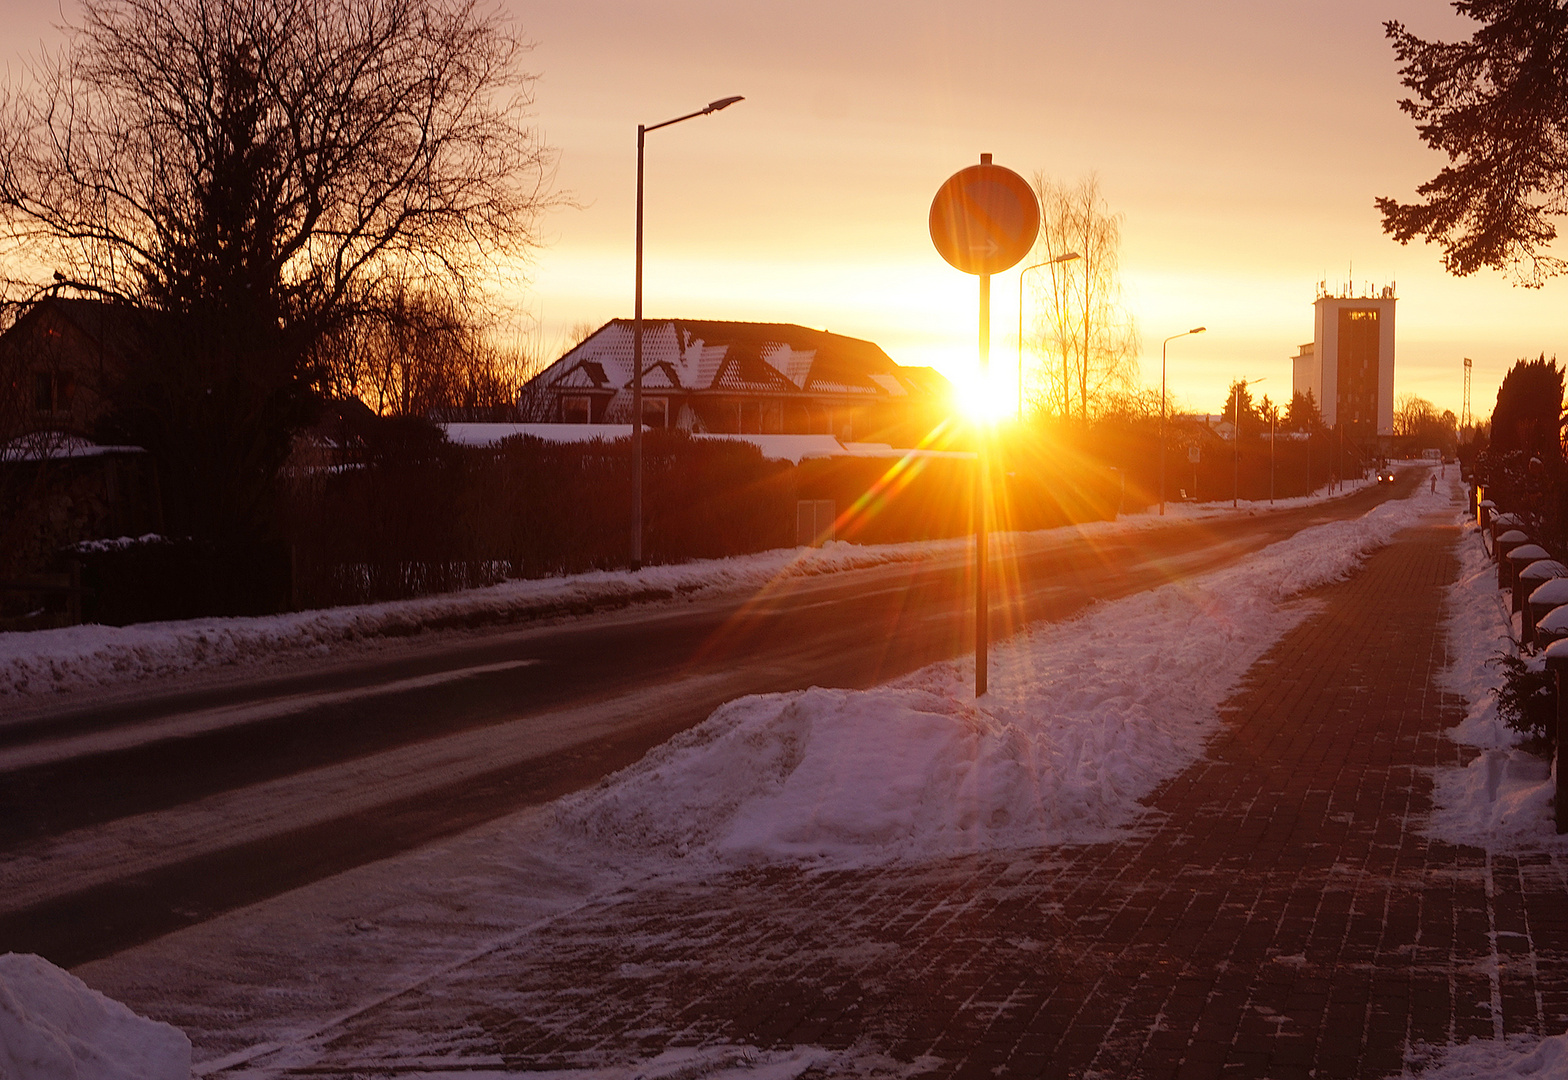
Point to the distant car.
(1385, 475)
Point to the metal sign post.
(984, 220)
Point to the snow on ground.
(76, 658)
(1502, 800)
(1498, 1059)
(1081, 720)
(1086, 718)
(54, 1027)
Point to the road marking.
(185, 725)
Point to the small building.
(59, 361)
(743, 378)
(1349, 365)
(63, 355)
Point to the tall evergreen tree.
(1528, 413)
(1497, 106)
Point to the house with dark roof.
(705, 376)
(62, 356)
(58, 364)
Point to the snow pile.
(54, 1027)
(1085, 718)
(1503, 799)
(1494, 1059)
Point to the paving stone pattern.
(1280, 916)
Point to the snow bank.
(1503, 799)
(1492, 1059)
(54, 1027)
(1087, 717)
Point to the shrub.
(1527, 698)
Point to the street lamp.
(1163, 344)
(642, 130)
(1069, 257)
(1235, 414)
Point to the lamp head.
(1069, 257)
(722, 103)
(1197, 330)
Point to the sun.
(984, 400)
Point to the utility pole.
(1464, 413)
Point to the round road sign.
(984, 219)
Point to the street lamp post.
(1273, 441)
(1163, 345)
(1235, 412)
(642, 130)
(1069, 257)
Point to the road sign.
(984, 219)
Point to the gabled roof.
(705, 355)
(119, 329)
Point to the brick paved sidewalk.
(1281, 916)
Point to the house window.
(576, 409)
(656, 412)
(53, 391)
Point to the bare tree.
(422, 354)
(257, 174)
(1086, 339)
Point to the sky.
(1244, 144)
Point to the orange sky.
(1244, 143)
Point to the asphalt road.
(125, 818)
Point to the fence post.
(1557, 664)
(73, 599)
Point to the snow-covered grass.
(1087, 717)
(76, 658)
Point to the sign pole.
(983, 498)
(983, 221)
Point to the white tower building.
(1349, 366)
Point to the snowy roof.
(491, 434)
(54, 446)
(702, 355)
(797, 448)
(792, 448)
